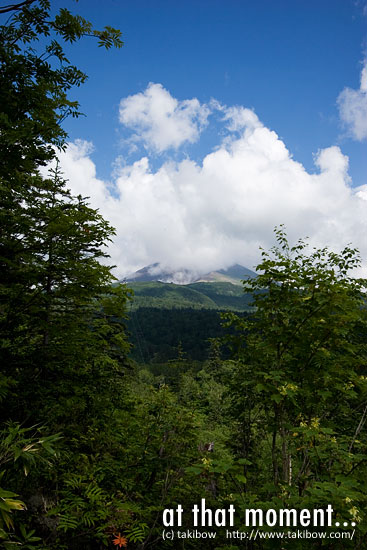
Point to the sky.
(219, 120)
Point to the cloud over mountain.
(160, 121)
(217, 212)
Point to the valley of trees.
(157, 335)
(269, 410)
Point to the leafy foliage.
(301, 378)
(20, 449)
(34, 83)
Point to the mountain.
(155, 287)
(154, 272)
(182, 308)
(234, 274)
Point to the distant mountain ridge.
(154, 273)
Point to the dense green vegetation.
(226, 295)
(94, 446)
(157, 334)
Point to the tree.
(63, 340)
(302, 376)
(35, 80)
(34, 83)
(55, 286)
(50, 241)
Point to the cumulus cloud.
(160, 121)
(211, 214)
(353, 108)
(240, 118)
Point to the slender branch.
(356, 466)
(304, 465)
(359, 427)
(14, 7)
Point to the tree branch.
(14, 7)
(359, 428)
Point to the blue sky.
(297, 64)
(288, 60)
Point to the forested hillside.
(200, 295)
(266, 410)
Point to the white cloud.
(353, 108)
(240, 118)
(209, 215)
(160, 121)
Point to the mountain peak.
(155, 272)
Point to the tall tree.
(301, 378)
(63, 342)
(50, 241)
